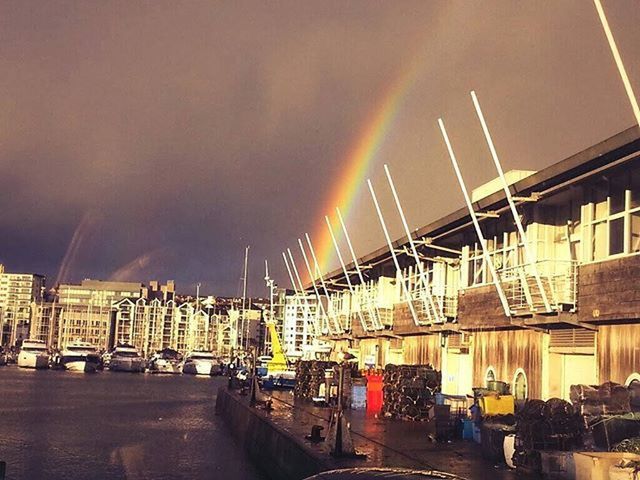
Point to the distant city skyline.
(157, 140)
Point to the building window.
(505, 251)
(612, 216)
(616, 236)
(635, 232)
(490, 376)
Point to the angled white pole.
(344, 269)
(512, 206)
(405, 288)
(474, 219)
(337, 325)
(293, 282)
(313, 282)
(303, 293)
(375, 319)
(616, 56)
(437, 311)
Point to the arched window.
(634, 378)
(490, 376)
(633, 384)
(520, 385)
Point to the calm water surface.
(108, 425)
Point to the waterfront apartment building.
(19, 293)
(151, 318)
(155, 325)
(88, 310)
(301, 325)
(557, 306)
(45, 322)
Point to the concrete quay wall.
(274, 450)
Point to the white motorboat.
(200, 362)
(125, 358)
(80, 357)
(33, 354)
(165, 361)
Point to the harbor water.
(108, 425)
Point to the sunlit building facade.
(301, 324)
(561, 308)
(88, 310)
(19, 293)
(45, 322)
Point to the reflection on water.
(114, 426)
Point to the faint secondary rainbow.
(358, 161)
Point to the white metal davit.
(314, 319)
(375, 317)
(618, 59)
(405, 288)
(293, 282)
(433, 312)
(476, 224)
(331, 314)
(344, 269)
(315, 287)
(529, 257)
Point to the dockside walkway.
(385, 442)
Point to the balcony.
(554, 292)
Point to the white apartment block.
(18, 294)
(88, 308)
(300, 325)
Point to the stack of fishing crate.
(409, 391)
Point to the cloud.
(204, 127)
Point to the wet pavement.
(113, 425)
(387, 442)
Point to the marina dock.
(277, 438)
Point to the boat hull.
(80, 364)
(135, 365)
(33, 360)
(198, 367)
(278, 381)
(165, 367)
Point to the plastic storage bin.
(497, 405)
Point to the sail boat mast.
(245, 323)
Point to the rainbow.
(359, 159)
(88, 222)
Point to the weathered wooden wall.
(403, 323)
(421, 349)
(609, 291)
(367, 346)
(618, 352)
(480, 307)
(506, 351)
(356, 328)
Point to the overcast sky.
(154, 140)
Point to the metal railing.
(559, 279)
(433, 301)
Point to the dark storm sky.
(169, 135)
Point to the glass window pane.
(617, 189)
(576, 251)
(635, 232)
(599, 242)
(616, 236)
